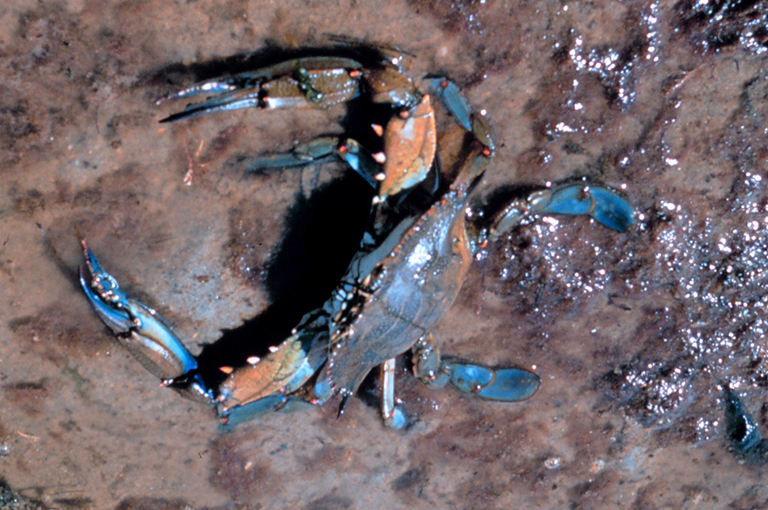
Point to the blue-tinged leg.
(454, 101)
(503, 384)
(349, 151)
(253, 410)
(143, 332)
(604, 205)
(613, 210)
(301, 155)
(392, 414)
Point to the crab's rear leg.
(602, 204)
(143, 332)
(503, 384)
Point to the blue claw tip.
(399, 419)
(117, 320)
(450, 95)
(90, 259)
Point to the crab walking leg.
(349, 151)
(502, 384)
(143, 332)
(602, 204)
(392, 415)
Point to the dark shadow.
(322, 234)
(500, 197)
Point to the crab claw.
(142, 331)
(281, 372)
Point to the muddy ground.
(635, 336)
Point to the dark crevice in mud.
(719, 24)
(147, 503)
(742, 431)
(12, 500)
(321, 235)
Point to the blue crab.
(411, 263)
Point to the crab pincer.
(142, 331)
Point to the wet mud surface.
(636, 336)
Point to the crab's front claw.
(602, 204)
(143, 332)
(284, 370)
(503, 384)
(253, 410)
(299, 83)
(275, 382)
